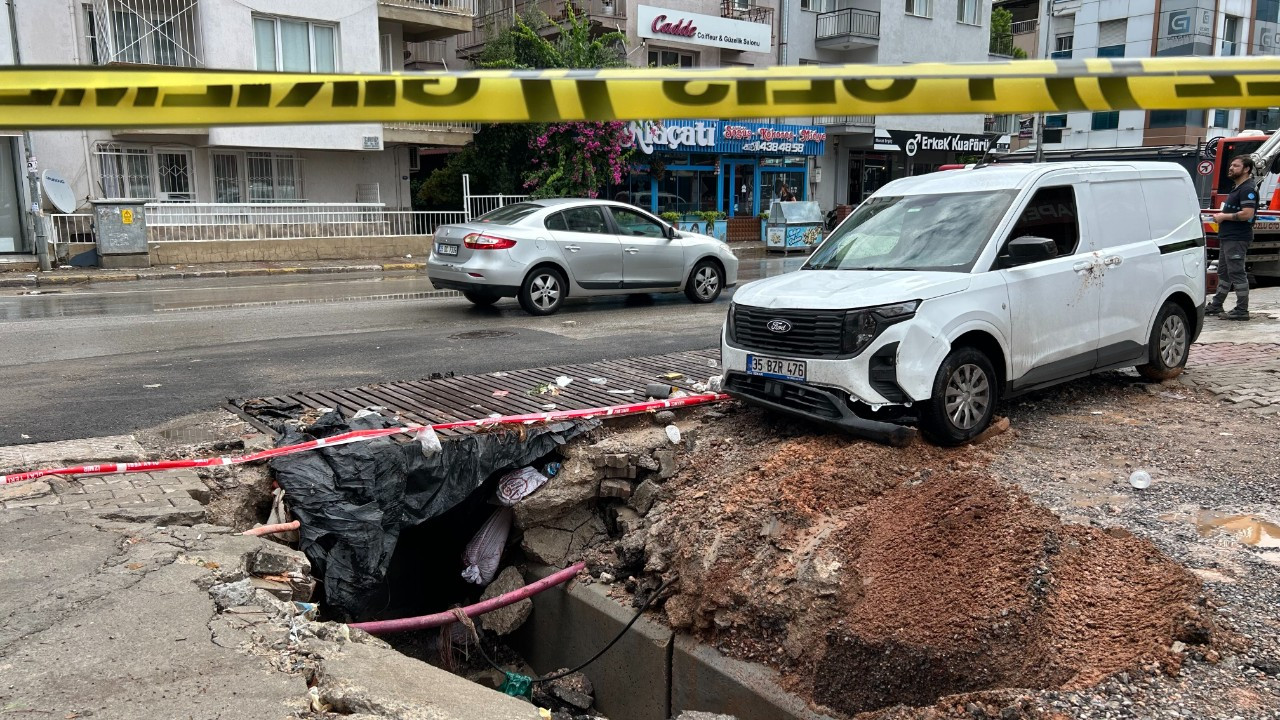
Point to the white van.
(944, 293)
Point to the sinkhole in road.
(482, 335)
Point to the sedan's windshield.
(509, 214)
(914, 232)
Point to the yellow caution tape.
(35, 98)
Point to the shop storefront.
(11, 210)
(901, 153)
(737, 168)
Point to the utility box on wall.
(121, 229)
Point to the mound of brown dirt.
(874, 576)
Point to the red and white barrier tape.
(360, 435)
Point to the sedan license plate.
(446, 249)
(776, 368)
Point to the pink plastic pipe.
(422, 622)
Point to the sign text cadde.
(679, 26)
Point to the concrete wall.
(343, 248)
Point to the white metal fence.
(462, 7)
(477, 205)
(72, 228)
(436, 126)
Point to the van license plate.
(776, 368)
(445, 249)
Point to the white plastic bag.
(429, 441)
(484, 552)
(518, 485)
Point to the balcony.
(847, 29)
(606, 15)
(429, 133)
(846, 123)
(429, 19)
(1001, 124)
(424, 55)
(1002, 46)
(747, 11)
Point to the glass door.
(738, 195)
(174, 170)
(10, 205)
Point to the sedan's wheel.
(705, 282)
(481, 299)
(543, 291)
(1168, 346)
(965, 392)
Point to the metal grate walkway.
(469, 397)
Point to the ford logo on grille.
(779, 326)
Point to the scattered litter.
(324, 410)
(598, 381)
(658, 391)
(1172, 396)
(429, 440)
(672, 376)
(520, 484)
(549, 406)
(679, 394)
(26, 437)
(569, 323)
(673, 434)
(716, 384)
(621, 392)
(152, 386)
(476, 407)
(495, 416)
(563, 381)
(1226, 434)
(501, 393)
(306, 610)
(371, 410)
(1097, 412)
(1140, 479)
(701, 387)
(484, 552)
(713, 363)
(545, 389)
(498, 374)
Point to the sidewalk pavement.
(80, 275)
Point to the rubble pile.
(869, 576)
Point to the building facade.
(1081, 29)
(297, 165)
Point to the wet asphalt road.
(111, 358)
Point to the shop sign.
(662, 24)
(912, 142)
(725, 137)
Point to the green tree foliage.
(502, 153)
(1002, 34)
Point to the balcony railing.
(746, 10)
(435, 126)
(430, 52)
(1002, 45)
(1001, 124)
(849, 22)
(460, 7)
(492, 24)
(1025, 27)
(845, 120)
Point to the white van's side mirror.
(1029, 249)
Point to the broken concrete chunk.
(616, 461)
(616, 489)
(546, 545)
(667, 467)
(646, 462)
(666, 417)
(699, 715)
(629, 521)
(644, 496)
(303, 587)
(278, 589)
(227, 595)
(575, 484)
(277, 560)
(505, 621)
(628, 472)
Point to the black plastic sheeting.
(354, 500)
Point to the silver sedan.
(543, 251)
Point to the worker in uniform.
(1235, 232)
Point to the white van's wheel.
(965, 392)
(1169, 344)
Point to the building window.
(1231, 36)
(1111, 37)
(384, 50)
(1170, 118)
(920, 8)
(257, 176)
(671, 58)
(967, 12)
(150, 33)
(1106, 120)
(822, 6)
(91, 34)
(295, 45)
(1062, 46)
(1220, 118)
(125, 172)
(1055, 121)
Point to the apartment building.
(1078, 29)
(295, 165)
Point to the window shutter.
(1112, 32)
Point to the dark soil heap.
(872, 576)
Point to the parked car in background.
(544, 251)
(944, 293)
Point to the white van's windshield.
(914, 232)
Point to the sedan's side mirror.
(1029, 249)
(671, 232)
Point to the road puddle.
(1248, 529)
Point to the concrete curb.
(55, 278)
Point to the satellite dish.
(59, 192)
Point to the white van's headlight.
(863, 326)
